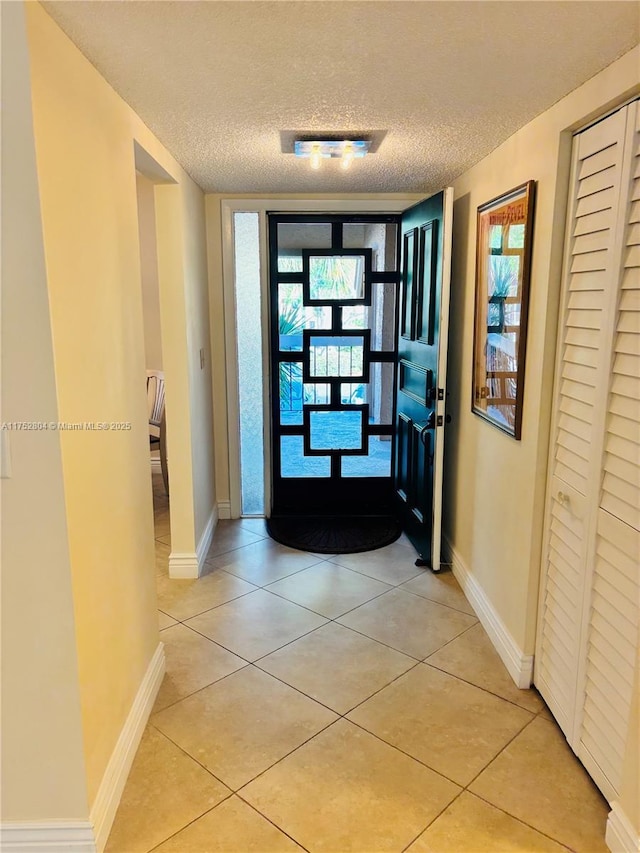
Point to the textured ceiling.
(448, 81)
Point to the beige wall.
(43, 772)
(85, 157)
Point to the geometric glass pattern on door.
(333, 348)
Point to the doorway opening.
(332, 441)
(155, 381)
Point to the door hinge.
(440, 393)
(439, 420)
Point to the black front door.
(334, 281)
(422, 347)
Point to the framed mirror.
(503, 261)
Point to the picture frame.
(503, 270)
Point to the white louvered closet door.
(589, 591)
(612, 624)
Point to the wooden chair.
(157, 420)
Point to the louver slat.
(621, 481)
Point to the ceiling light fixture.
(317, 150)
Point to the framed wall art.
(503, 262)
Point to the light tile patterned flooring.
(344, 704)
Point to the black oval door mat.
(334, 535)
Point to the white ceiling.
(448, 81)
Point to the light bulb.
(347, 155)
(315, 158)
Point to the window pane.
(378, 393)
(293, 462)
(380, 237)
(336, 277)
(379, 316)
(293, 317)
(249, 339)
(295, 236)
(336, 430)
(293, 393)
(377, 463)
(336, 356)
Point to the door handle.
(430, 424)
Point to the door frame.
(393, 203)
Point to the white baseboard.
(224, 509)
(47, 836)
(183, 565)
(79, 836)
(110, 791)
(519, 665)
(621, 836)
(204, 544)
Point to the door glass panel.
(336, 277)
(340, 430)
(377, 462)
(293, 316)
(380, 237)
(377, 394)
(379, 317)
(293, 462)
(336, 356)
(295, 236)
(293, 393)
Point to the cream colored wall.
(149, 273)
(43, 771)
(85, 156)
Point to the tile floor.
(344, 704)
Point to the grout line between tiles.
(267, 818)
(477, 686)
(187, 825)
(199, 763)
(500, 751)
(282, 758)
(264, 585)
(407, 754)
(215, 606)
(519, 819)
(431, 822)
(324, 616)
(200, 689)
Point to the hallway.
(346, 704)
